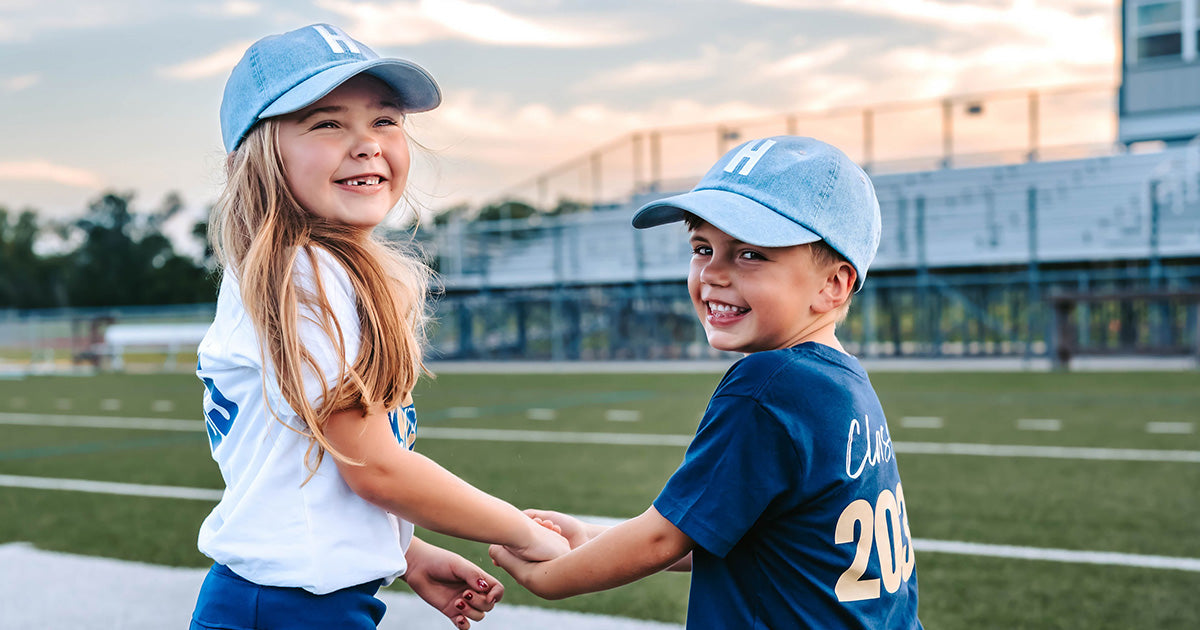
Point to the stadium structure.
(1060, 243)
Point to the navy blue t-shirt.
(791, 493)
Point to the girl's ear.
(839, 286)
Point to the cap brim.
(417, 89)
(742, 218)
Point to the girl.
(311, 360)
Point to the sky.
(123, 94)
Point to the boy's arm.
(578, 532)
(639, 547)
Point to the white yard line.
(921, 544)
(642, 439)
(1049, 452)
(111, 487)
(101, 422)
(1056, 555)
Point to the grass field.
(1087, 505)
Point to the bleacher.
(1081, 210)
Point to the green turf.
(1128, 507)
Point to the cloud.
(240, 8)
(18, 83)
(645, 73)
(26, 20)
(218, 63)
(411, 23)
(43, 171)
(800, 63)
(1083, 25)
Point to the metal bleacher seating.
(1073, 210)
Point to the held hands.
(525, 572)
(452, 584)
(544, 543)
(529, 574)
(574, 530)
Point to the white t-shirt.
(270, 527)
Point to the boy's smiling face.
(752, 299)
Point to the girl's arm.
(639, 547)
(420, 491)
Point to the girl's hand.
(451, 583)
(574, 530)
(544, 543)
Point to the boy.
(788, 506)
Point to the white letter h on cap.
(751, 154)
(338, 41)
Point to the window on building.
(1157, 29)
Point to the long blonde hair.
(258, 230)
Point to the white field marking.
(1039, 424)
(162, 406)
(1169, 427)
(462, 412)
(541, 414)
(1048, 452)
(645, 439)
(101, 422)
(921, 422)
(1056, 555)
(1009, 551)
(62, 404)
(622, 415)
(553, 437)
(922, 545)
(109, 487)
(17, 402)
(110, 404)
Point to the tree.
(27, 280)
(125, 259)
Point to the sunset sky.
(123, 94)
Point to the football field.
(1037, 500)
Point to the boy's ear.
(839, 286)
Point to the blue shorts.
(229, 602)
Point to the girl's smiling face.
(346, 156)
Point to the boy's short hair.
(783, 191)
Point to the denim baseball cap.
(779, 192)
(280, 74)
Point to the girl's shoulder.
(315, 267)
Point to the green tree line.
(110, 256)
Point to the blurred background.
(1033, 162)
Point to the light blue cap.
(779, 192)
(280, 74)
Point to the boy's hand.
(451, 584)
(574, 530)
(545, 543)
(522, 570)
